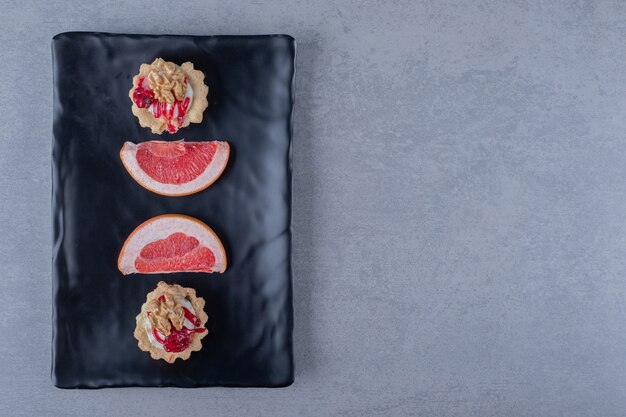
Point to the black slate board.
(96, 205)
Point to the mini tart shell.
(140, 329)
(194, 114)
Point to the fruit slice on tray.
(175, 168)
(172, 243)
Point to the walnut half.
(161, 314)
(167, 81)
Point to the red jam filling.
(178, 340)
(144, 98)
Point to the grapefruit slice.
(172, 243)
(175, 168)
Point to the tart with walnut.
(168, 97)
(171, 323)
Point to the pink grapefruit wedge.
(175, 168)
(172, 243)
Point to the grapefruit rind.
(160, 227)
(213, 171)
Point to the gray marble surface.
(459, 207)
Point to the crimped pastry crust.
(140, 330)
(196, 109)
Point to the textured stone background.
(459, 208)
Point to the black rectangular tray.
(96, 205)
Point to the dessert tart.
(171, 323)
(167, 97)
